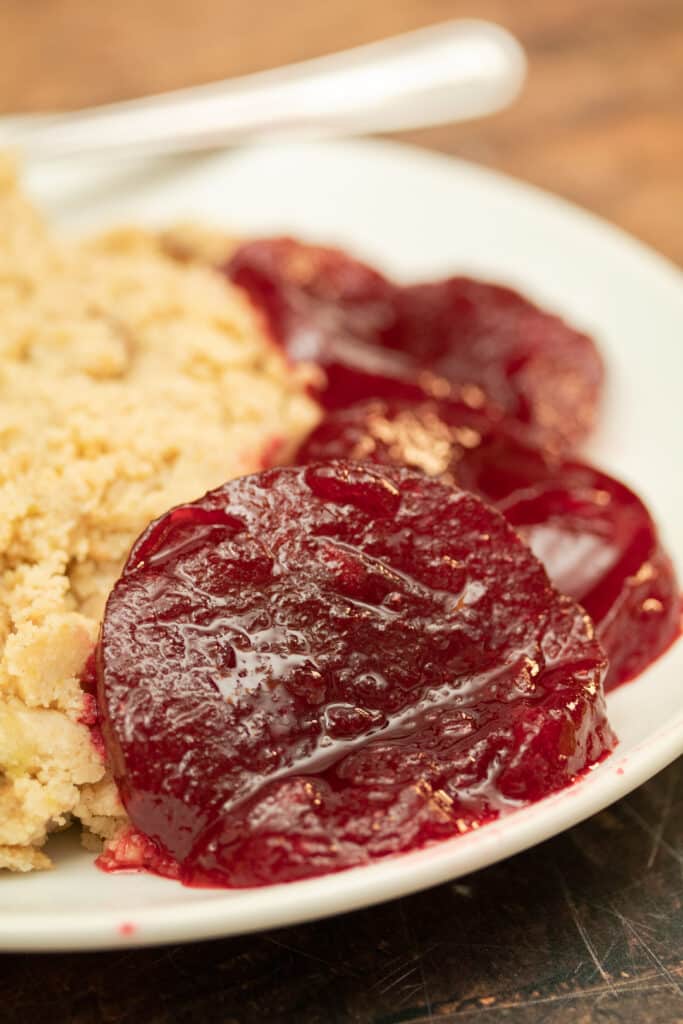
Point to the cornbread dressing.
(131, 382)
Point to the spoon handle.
(447, 72)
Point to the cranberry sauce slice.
(473, 341)
(529, 364)
(595, 537)
(327, 309)
(312, 667)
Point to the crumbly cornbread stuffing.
(130, 381)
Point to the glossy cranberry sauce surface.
(595, 537)
(313, 667)
(467, 339)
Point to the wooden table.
(600, 120)
(588, 927)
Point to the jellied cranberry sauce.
(595, 537)
(313, 667)
(458, 337)
(316, 666)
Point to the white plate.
(416, 215)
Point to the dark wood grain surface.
(587, 927)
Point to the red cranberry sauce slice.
(595, 537)
(458, 337)
(529, 365)
(312, 667)
(326, 309)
